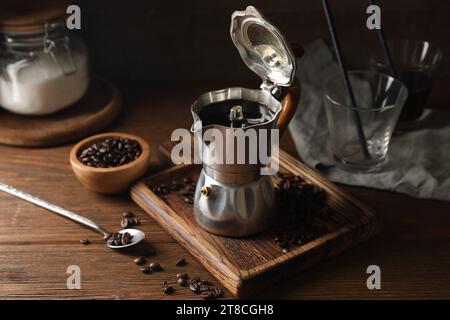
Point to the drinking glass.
(415, 64)
(379, 101)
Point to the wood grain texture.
(248, 265)
(97, 109)
(36, 246)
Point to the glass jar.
(43, 69)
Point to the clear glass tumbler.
(416, 64)
(379, 99)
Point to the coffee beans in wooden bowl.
(110, 162)
(110, 152)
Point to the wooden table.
(36, 246)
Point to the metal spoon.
(137, 235)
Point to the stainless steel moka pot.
(233, 198)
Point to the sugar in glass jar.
(43, 67)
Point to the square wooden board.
(246, 265)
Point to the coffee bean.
(182, 282)
(85, 241)
(124, 223)
(207, 294)
(195, 287)
(182, 276)
(204, 287)
(194, 280)
(168, 289)
(155, 266)
(187, 180)
(127, 214)
(185, 191)
(145, 269)
(181, 262)
(218, 292)
(139, 260)
(174, 185)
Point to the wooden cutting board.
(98, 108)
(246, 265)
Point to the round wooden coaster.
(98, 108)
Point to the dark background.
(189, 41)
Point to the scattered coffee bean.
(218, 292)
(207, 294)
(194, 280)
(110, 152)
(185, 191)
(168, 289)
(145, 269)
(181, 262)
(124, 223)
(139, 260)
(174, 185)
(182, 282)
(127, 214)
(195, 287)
(155, 266)
(182, 276)
(85, 241)
(204, 287)
(128, 222)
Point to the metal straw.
(334, 36)
(384, 45)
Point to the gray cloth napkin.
(419, 159)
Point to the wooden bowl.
(109, 180)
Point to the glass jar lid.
(262, 47)
(22, 16)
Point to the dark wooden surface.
(36, 247)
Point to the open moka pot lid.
(263, 48)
